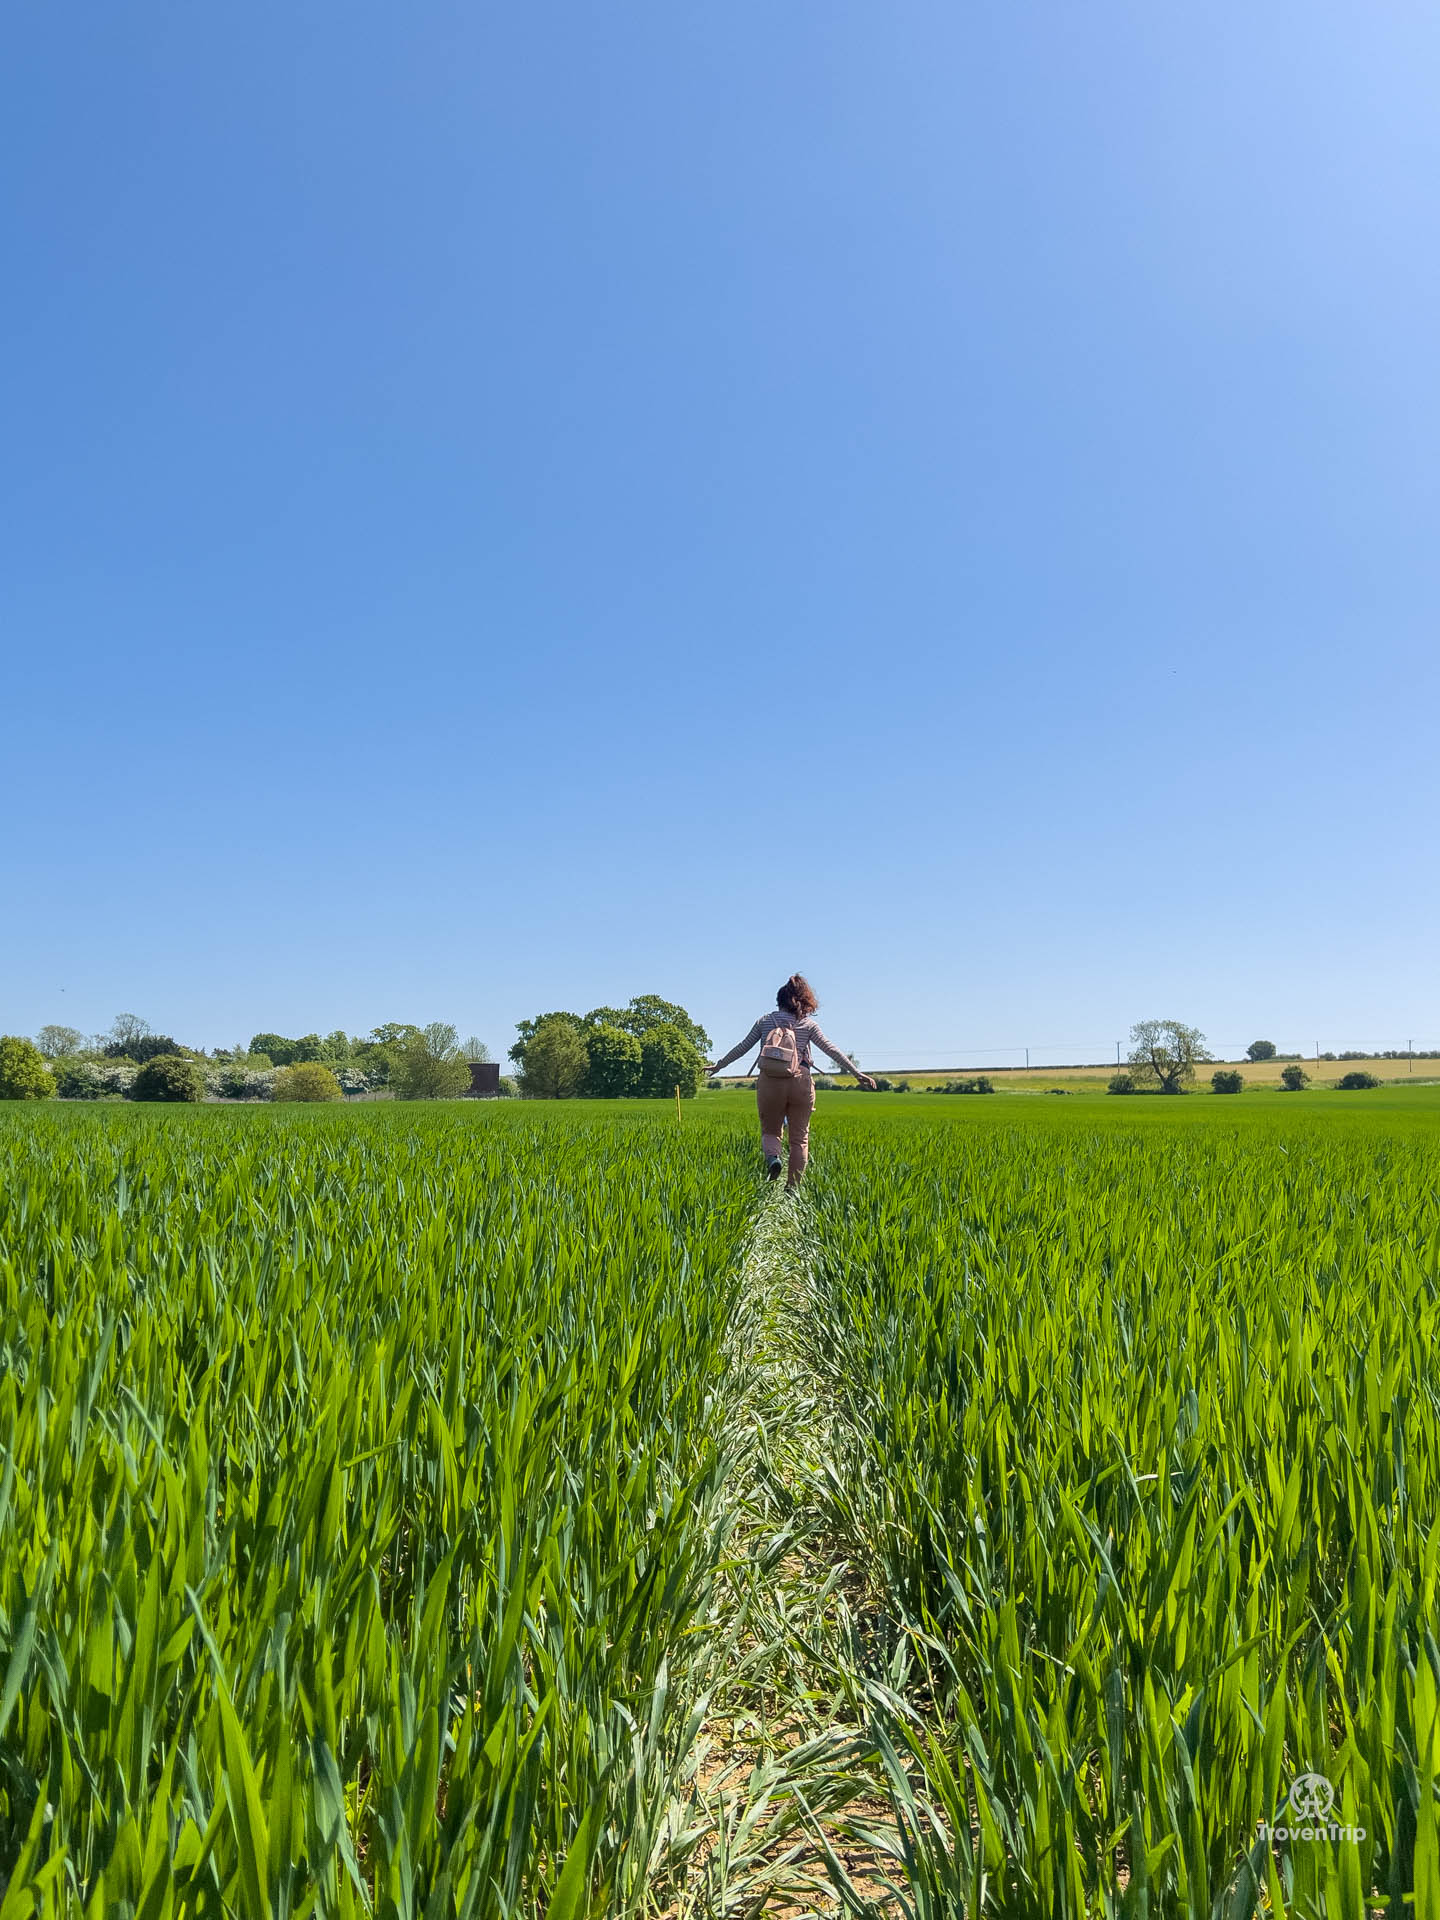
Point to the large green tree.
(527, 1030)
(1166, 1052)
(616, 1061)
(645, 1013)
(669, 1059)
(428, 1064)
(555, 1059)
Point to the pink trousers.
(786, 1103)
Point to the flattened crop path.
(780, 1783)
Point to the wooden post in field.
(679, 1115)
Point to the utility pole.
(1027, 1059)
(1117, 1053)
(1410, 1049)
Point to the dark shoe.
(774, 1169)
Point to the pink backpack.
(779, 1055)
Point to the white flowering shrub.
(94, 1079)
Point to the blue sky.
(505, 508)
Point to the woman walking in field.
(785, 1092)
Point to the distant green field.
(372, 1481)
(1281, 1109)
(1395, 1099)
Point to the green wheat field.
(513, 1509)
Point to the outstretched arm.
(842, 1060)
(744, 1046)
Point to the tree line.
(643, 1050)
(1165, 1053)
(133, 1061)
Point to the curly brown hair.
(797, 996)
